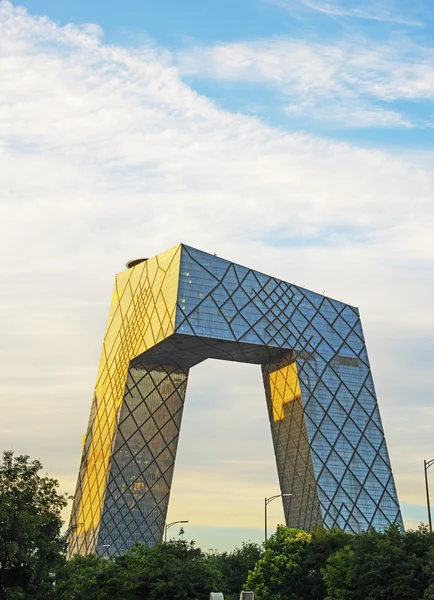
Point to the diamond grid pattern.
(134, 325)
(329, 442)
(143, 458)
(291, 442)
(184, 306)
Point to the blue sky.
(292, 136)
(379, 47)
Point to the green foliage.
(293, 565)
(31, 545)
(81, 577)
(234, 567)
(418, 542)
(429, 567)
(275, 575)
(291, 568)
(429, 593)
(169, 571)
(389, 565)
(175, 570)
(324, 543)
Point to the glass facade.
(183, 306)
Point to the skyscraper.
(175, 310)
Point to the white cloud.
(348, 113)
(106, 154)
(349, 81)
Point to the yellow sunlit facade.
(142, 314)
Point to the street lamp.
(426, 465)
(170, 525)
(267, 502)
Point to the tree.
(429, 566)
(379, 566)
(292, 566)
(324, 543)
(172, 571)
(420, 542)
(175, 570)
(31, 543)
(275, 575)
(81, 577)
(235, 566)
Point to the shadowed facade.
(175, 310)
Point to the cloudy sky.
(295, 137)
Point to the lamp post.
(170, 525)
(426, 465)
(267, 502)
